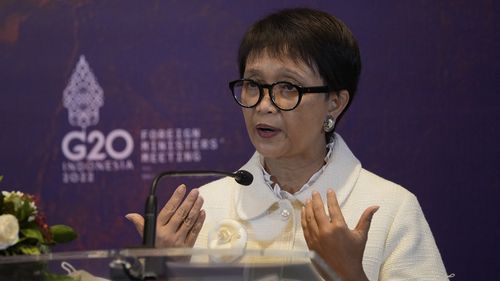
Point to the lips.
(267, 131)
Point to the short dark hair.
(314, 37)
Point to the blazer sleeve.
(411, 252)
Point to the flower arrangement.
(23, 227)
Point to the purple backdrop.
(426, 115)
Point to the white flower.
(9, 231)
(12, 193)
(35, 211)
(227, 234)
(20, 195)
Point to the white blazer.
(400, 244)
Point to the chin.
(268, 150)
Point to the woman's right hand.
(179, 222)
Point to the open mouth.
(265, 128)
(266, 131)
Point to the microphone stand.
(155, 267)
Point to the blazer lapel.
(255, 199)
(341, 174)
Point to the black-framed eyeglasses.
(284, 95)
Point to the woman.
(299, 71)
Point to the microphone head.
(243, 177)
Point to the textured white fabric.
(400, 244)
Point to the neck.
(292, 173)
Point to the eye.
(250, 85)
(286, 87)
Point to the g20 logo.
(96, 146)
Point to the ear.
(338, 102)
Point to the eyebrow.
(283, 71)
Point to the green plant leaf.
(25, 210)
(33, 233)
(9, 208)
(63, 233)
(19, 207)
(29, 250)
(57, 277)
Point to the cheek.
(306, 121)
(303, 128)
(247, 116)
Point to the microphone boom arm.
(194, 173)
(149, 234)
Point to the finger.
(319, 210)
(305, 228)
(183, 210)
(303, 219)
(311, 220)
(190, 220)
(333, 207)
(173, 203)
(195, 230)
(137, 220)
(365, 220)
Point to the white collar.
(285, 194)
(341, 173)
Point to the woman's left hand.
(330, 237)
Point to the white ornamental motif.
(83, 96)
(227, 234)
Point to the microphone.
(149, 235)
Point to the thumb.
(137, 220)
(366, 219)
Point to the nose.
(266, 105)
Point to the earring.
(329, 124)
